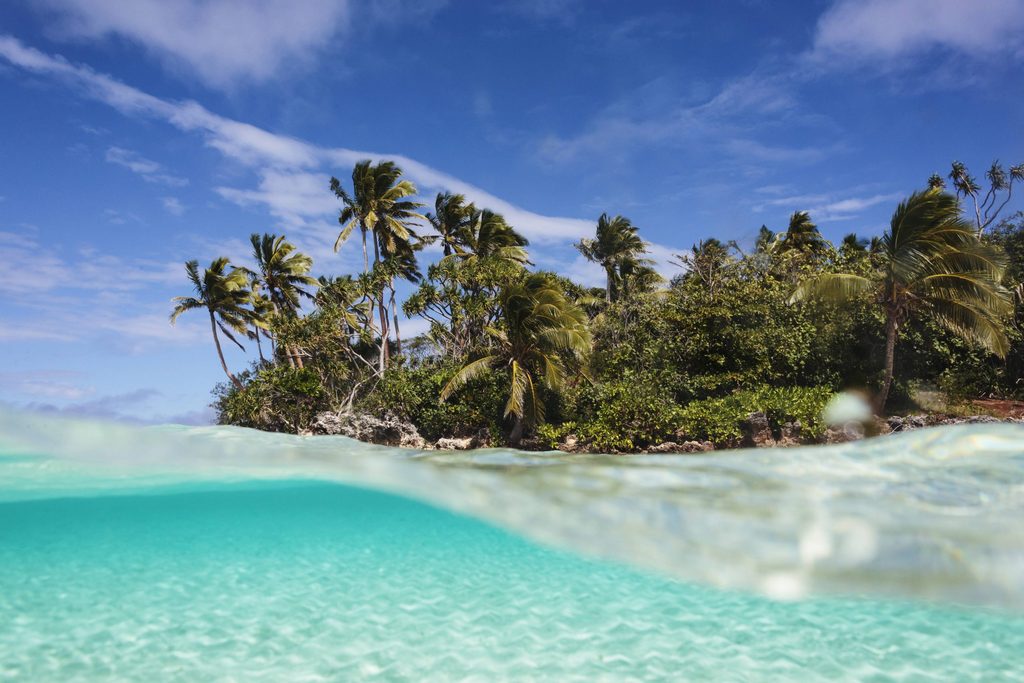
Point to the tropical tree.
(802, 235)
(224, 294)
(283, 273)
(489, 236)
(988, 204)
(378, 205)
(617, 242)
(931, 261)
(540, 330)
(452, 219)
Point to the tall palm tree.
(616, 242)
(283, 273)
(224, 294)
(540, 329)
(931, 261)
(378, 204)
(451, 220)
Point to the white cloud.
(222, 41)
(887, 29)
(173, 206)
(272, 155)
(828, 207)
(150, 170)
(45, 383)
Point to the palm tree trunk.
(220, 354)
(891, 329)
(382, 313)
(394, 315)
(259, 347)
(610, 273)
(366, 259)
(518, 427)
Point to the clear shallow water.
(213, 554)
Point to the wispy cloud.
(150, 171)
(227, 42)
(269, 153)
(46, 301)
(173, 206)
(861, 30)
(828, 207)
(220, 41)
(728, 121)
(51, 384)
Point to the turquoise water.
(212, 554)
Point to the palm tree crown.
(283, 272)
(617, 243)
(225, 295)
(378, 205)
(452, 220)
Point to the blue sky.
(139, 135)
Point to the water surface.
(189, 554)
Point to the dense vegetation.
(934, 301)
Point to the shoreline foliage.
(936, 302)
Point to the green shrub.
(622, 415)
(412, 394)
(719, 420)
(276, 398)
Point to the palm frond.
(466, 374)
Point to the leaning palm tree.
(931, 261)
(224, 294)
(541, 329)
(616, 242)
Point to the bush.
(412, 394)
(276, 398)
(630, 413)
(719, 420)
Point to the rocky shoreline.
(388, 430)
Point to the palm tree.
(541, 328)
(283, 272)
(616, 242)
(451, 220)
(638, 276)
(377, 205)
(802, 234)
(488, 235)
(931, 261)
(262, 311)
(224, 295)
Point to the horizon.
(137, 141)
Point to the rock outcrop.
(757, 433)
(386, 430)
